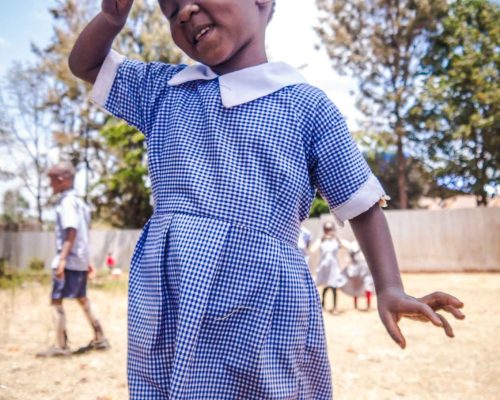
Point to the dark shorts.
(73, 285)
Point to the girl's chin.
(214, 61)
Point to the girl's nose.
(187, 12)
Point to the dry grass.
(365, 363)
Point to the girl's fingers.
(446, 326)
(421, 310)
(440, 300)
(455, 312)
(417, 317)
(444, 301)
(393, 329)
(429, 313)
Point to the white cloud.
(3, 42)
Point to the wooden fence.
(443, 240)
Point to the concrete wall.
(442, 240)
(20, 247)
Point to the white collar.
(242, 86)
(67, 192)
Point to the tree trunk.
(402, 189)
(39, 210)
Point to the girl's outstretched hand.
(116, 11)
(393, 304)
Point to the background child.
(304, 242)
(359, 281)
(328, 273)
(221, 302)
(110, 262)
(71, 266)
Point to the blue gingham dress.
(221, 302)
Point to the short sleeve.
(130, 89)
(337, 167)
(69, 213)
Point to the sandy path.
(365, 363)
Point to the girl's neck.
(245, 58)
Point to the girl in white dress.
(359, 281)
(328, 273)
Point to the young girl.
(359, 281)
(328, 273)
(221, 302)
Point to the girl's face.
(226, 35)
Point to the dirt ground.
(365, 363)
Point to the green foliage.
(115, 176)
(12, 278)
(319, 207)
(15, 208)
(380, 154)
(124, 195)
(420, 181)
(36, 264)
(380, 43)
(104, 281)
(457, 117)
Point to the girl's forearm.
(92, 47)
(372, 232)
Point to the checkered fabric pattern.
(221, 302)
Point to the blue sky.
(22, 22)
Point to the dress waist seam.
(283, 240)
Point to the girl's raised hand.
(116, 11)
(393, 304)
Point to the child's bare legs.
(94, 322)
(60, 318)
(368, 294)
(334, 291)
(62, 348)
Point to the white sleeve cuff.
(105, 78)
(369, 194)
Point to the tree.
(77, 122)
(457, 116)
(15, 208)
(380, 43)
(26, 130)
(5, 141)
(124, 196)
(381, 156)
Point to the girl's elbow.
(75, 66)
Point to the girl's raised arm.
(94, 43)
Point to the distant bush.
(11, 277)
(36, 264)
(3, 265)
(319, 206)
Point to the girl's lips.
(202, 32)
